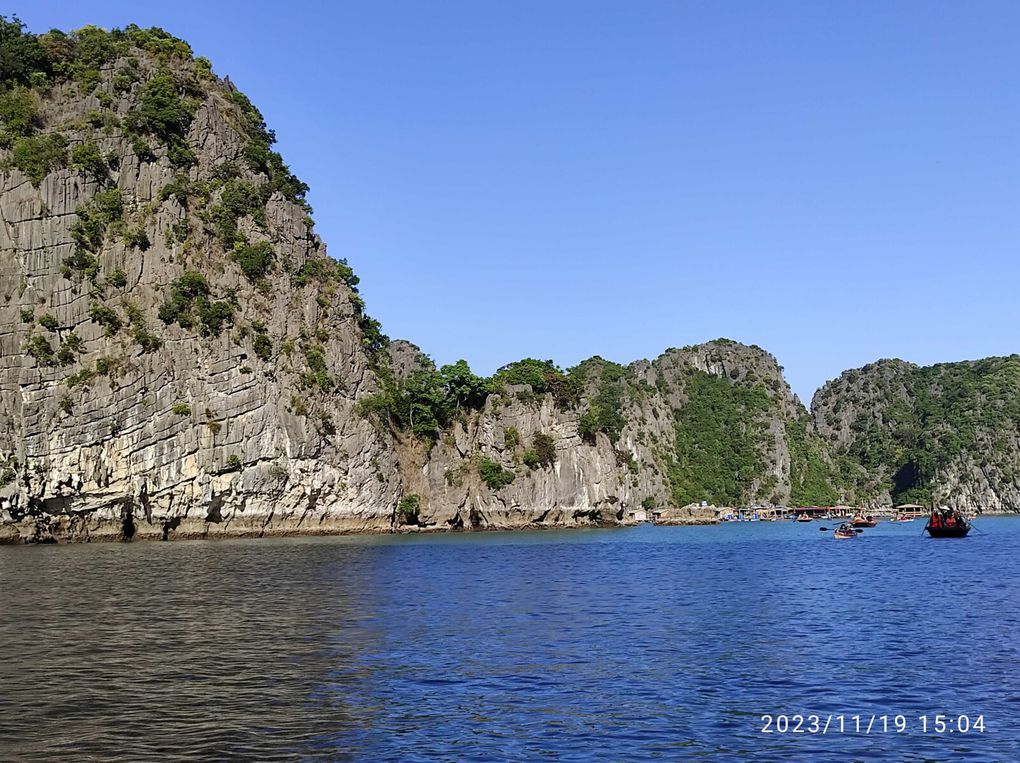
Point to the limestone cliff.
(947, 434)
(180, 358)
(607, 443)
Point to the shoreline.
(107, 535)
(112, 533)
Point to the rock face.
(713, 422)
(948, 434)
(115, 423)
(179, 358)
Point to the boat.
(947, 524)
(902, 518)
(844, 532)
(862, 521)
(803, 518)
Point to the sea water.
(649, 643)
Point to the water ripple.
(644, 644)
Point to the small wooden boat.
(860, 521)
(947, 525)
(844, 533)
(902, 518)
(803, 518)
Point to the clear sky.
(836, 182)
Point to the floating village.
(852, 520)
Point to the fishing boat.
(844, 532)
(947, 524)
(862, 521)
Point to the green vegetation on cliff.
(190, 305)
(493, 474)
(543, 376)
(427, 401)
(39, 155)
(89, 231)
(605, 408)
(260, 156)
(813, 479)
(149, 88)
(407, 509)
(164, 101)
(166, 106)
(717, 441)
(907, 423)
(23, 59)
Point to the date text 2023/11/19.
(872, 724)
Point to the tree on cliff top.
(21, 54)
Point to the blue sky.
(836, 182)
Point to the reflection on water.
(649, 643)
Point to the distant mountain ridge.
(180, 358)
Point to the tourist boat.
(803, 518)
(844, 533)
(947, 525)
(861, 521)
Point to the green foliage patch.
(407, 509)
(605, 410)
(812, 477)
(39, 347)
(261, 157)
(717, 442)
(117, 279)
(263, 347)
(165, 109)
(88, 232)
(237, 199)
(19, 112)
(324, 270)
(145, 339)
(190, 305)
(39, 155)
(544, 448)
(106, 317)
(21, 54)
(89, 161)
(427, 401)
(493, 474)
(256, 260)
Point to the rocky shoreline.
(68, 530)
(76, 529)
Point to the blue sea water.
(651, 643)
